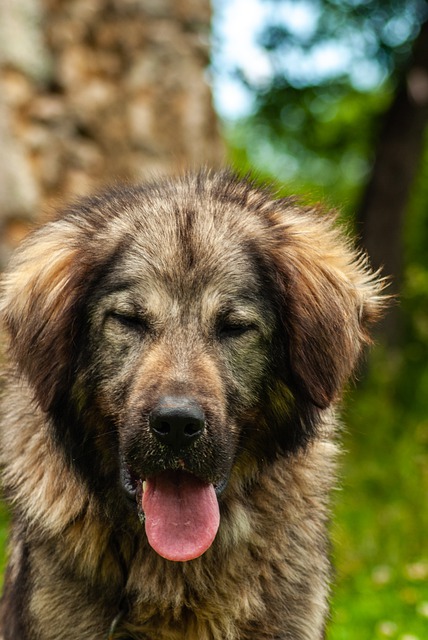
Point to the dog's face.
(201, 333)
(187, 333)
(179, 346)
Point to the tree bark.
(398, 155)
(99, 91)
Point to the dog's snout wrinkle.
(177, 421)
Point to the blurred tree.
(399, 151)
(344, 104)
(97, 91)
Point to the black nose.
(177, 422)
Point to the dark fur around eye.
(228, 330)
(129, 321)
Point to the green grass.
(380, 525)
(381, 516)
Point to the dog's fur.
(206, 287)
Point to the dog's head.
(183, 328)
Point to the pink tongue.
(182, 515)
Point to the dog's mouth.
(180, 512)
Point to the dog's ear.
(41, 292)
(329, 297)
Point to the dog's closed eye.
(229, 329)
(129, 321)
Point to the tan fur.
(135, 295)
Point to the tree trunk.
(398, 154)
(99, 91)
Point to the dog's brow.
(117, 286)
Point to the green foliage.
(378, 32)
(314, 123)
(381, 518)
(321, 143)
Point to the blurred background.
(326, 98)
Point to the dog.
(169, 434)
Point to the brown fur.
(205, 286)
